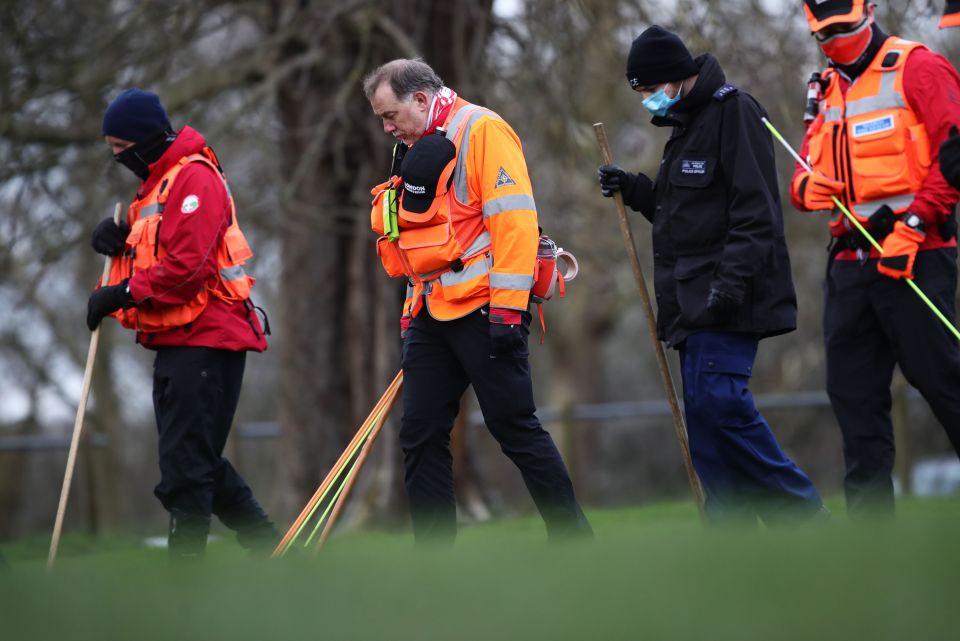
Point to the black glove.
(106, 300)
(613, 179)
(637, 189)
(109, 237)
(950, 158)
(881, 222)
(722, 305)
(506, 335)
(504, 339)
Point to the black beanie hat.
(135, 115)
(658, 56)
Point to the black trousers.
(440, 359)
(870, 324)
(195, 395)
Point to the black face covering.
(138, 158)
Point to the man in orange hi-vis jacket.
(457, 218)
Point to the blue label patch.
(875, 126)
(693, 167)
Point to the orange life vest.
(143, 250)
(447, 256)
(871, 139)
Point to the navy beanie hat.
(135, 115)
(658, 56)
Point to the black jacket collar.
(709, 79)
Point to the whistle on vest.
(814, 91)
(391, 228)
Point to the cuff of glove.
(501, 316)
(127, 295)
(916, 233)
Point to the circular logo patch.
(190, 204)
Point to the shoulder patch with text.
(503, 179)
(725, 91)
(190, 204)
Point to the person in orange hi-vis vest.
(885, 106)
(177, 279)
(457, 219)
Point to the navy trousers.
(744, 472)
(195, 395)
(870, 324)
(440, 359)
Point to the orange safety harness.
(142, 251)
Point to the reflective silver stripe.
(232, 273)
(833, 114)
(460, 172)
(896, 203)
(518, 282)
(409, 290)
(507, 203)
(887, 98)
(481, 243)
(151, 210)
(458, 119)
(475, 270)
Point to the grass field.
(651, 573)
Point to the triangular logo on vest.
(503, 179)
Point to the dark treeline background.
(275, 87)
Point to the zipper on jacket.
(846, 153)
(838, 166)
(156, 238)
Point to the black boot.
(255, 531)
(188, 535)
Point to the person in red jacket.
(178, 290)
(885, 107)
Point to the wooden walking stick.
(679, 425)
(355, 471)
(78, 422)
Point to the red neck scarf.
(440, 109)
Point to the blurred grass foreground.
(651, 573)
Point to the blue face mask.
(660, 102)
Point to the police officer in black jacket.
(721, 271)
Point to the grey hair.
(406, 76)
